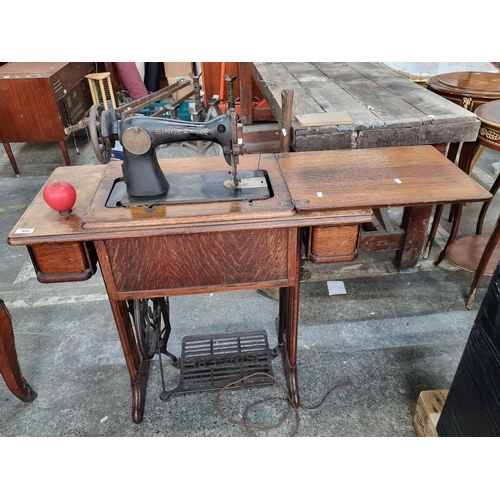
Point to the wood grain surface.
(90, 220)
(199, 260)
(387, 108)
(376, 178)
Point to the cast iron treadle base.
(210, 363)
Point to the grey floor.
(388, 338)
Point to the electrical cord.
(248, 426)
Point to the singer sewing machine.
(144, 183)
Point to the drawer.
(61, 262)
(333, 243)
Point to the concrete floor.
(391, 336)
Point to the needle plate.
(198, 188)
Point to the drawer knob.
(60, 196)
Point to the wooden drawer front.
(56, 262)
(198, 260)
(333, 243)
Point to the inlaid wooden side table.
(420, 72)
(468, 89)
(477, 253)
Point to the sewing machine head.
(145, 182)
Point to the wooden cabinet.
(38, 100)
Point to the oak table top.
(350, 183)
(90, 220)
(356, 179)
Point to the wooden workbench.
(386, 108)
(184, 249)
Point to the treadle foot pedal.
(208, 363)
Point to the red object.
(60, 196)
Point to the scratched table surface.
(385, 107)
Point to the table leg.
(10, 154)
(415, 223)
(432, 235)
(138, 367)
(469, 151)
(457, 215)
(482, 214)
(452, 151)
(9, 364)
(64, 149)
(481, 268)
(286, 120)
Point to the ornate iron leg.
(151, 319)
(288, 332)
(288, 328)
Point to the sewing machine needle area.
(198, 188)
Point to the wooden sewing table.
(317, 207)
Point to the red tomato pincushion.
(60, 196)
